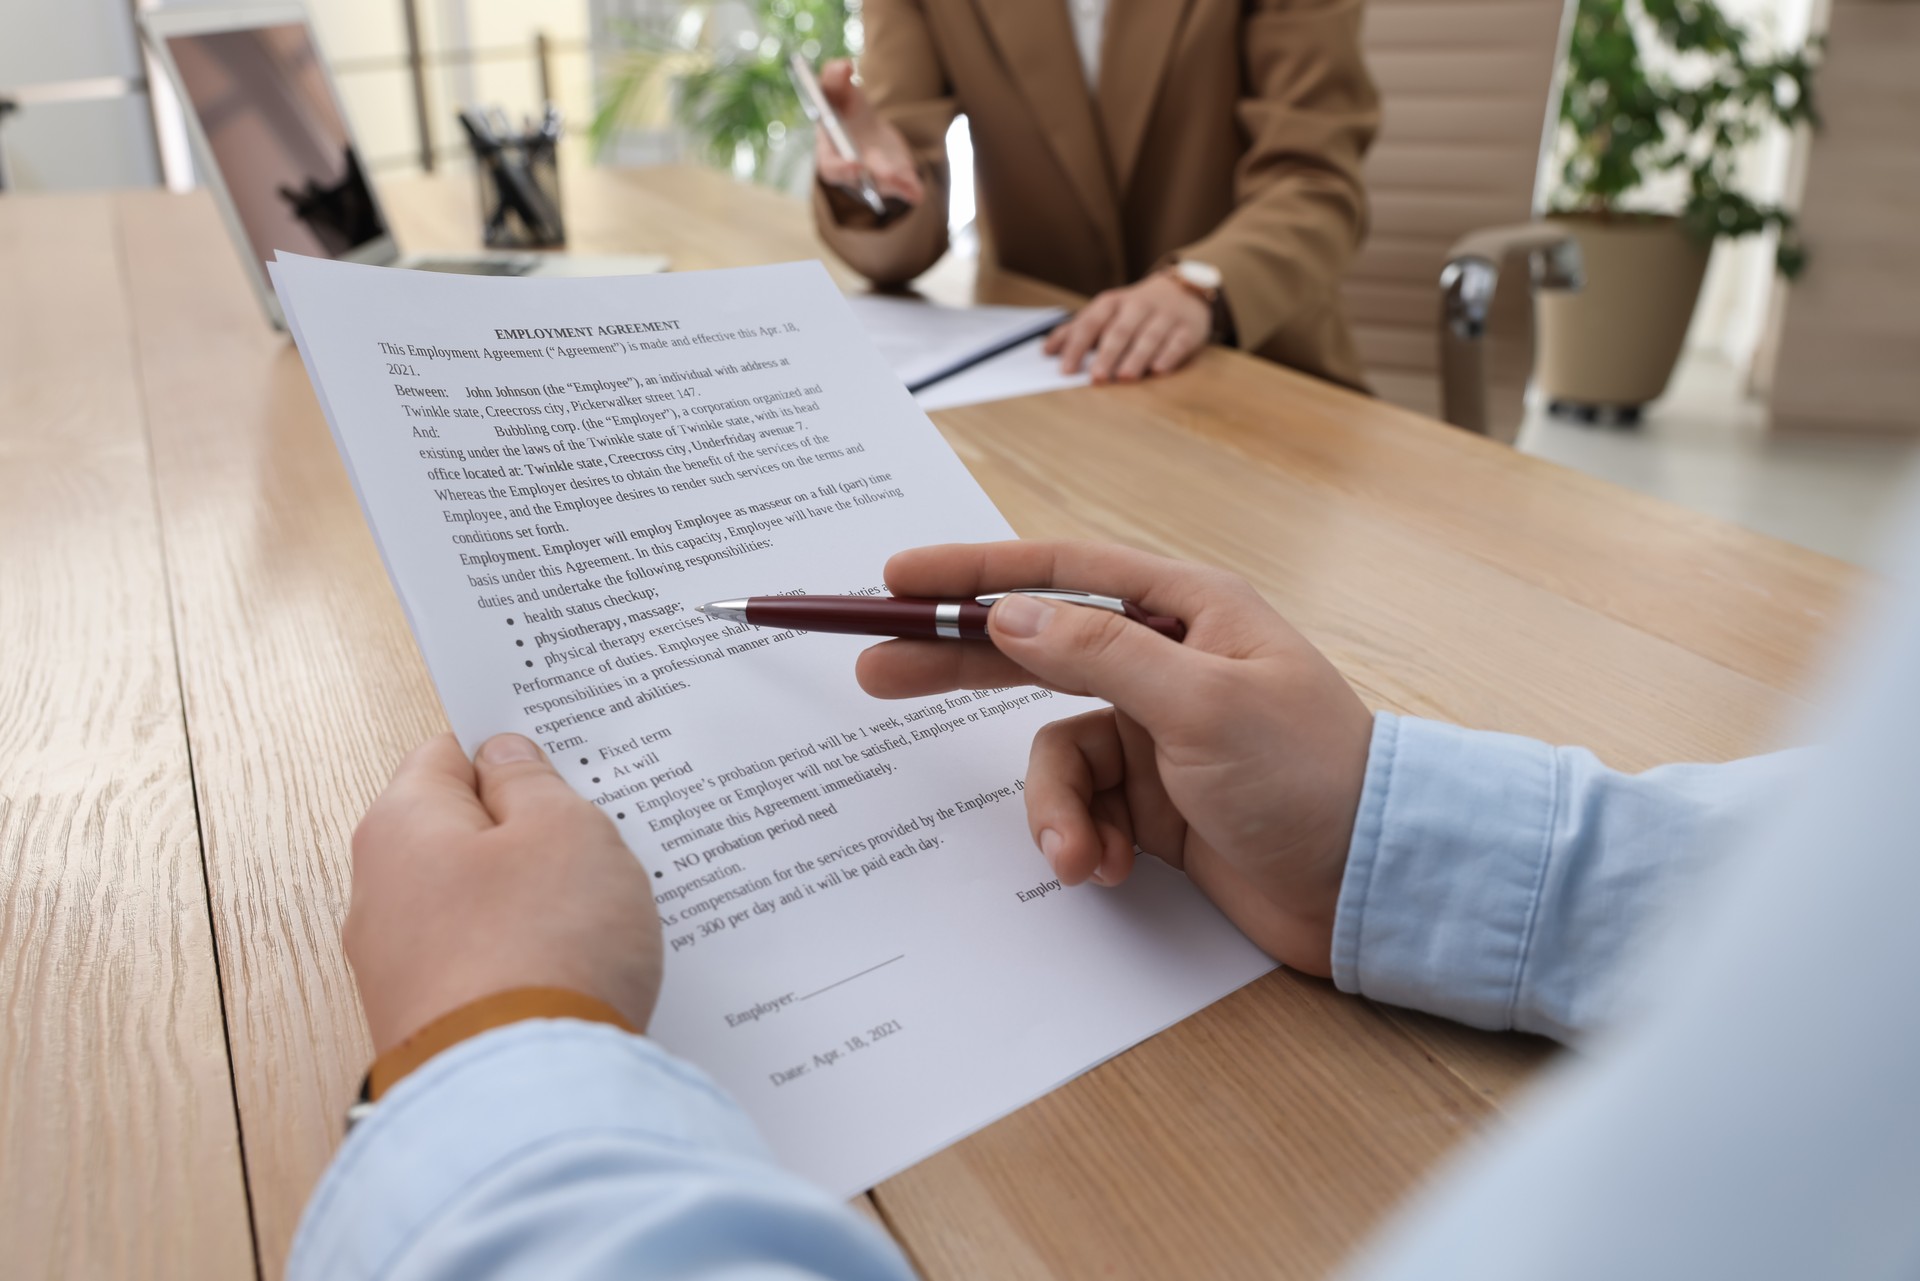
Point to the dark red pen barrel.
(863, 615)
(901, 616)
(1171, 628)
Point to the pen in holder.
(519, 180)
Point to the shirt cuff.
(1445, 873)
(476, 1108)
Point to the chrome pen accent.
(1066, 595)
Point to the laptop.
(272, 143)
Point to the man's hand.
(473, 877)
(1237, 756)
(1153, 327)
(883, 149)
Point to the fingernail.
(1050, 843)
(1021, 617)
(506, 749)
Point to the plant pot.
(1613, 344)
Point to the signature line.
(851, 977)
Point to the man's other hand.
(1237, 756)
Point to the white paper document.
(1024, 370)
(927, 342)
(862, 944)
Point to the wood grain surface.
(1447, 576)
(302, 685)
(1259, 1138)
(118, 1149)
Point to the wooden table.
(206, 677)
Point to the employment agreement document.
(862, 944)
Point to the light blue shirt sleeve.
(1752, 1111)
(557, 1148)
(1503, 883)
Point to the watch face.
(1203, 274)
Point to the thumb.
(1092, 651)
(836, 82)
(516, 778)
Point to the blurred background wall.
(84, 120)
(93, 129)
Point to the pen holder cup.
(520, 196)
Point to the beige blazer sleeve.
(1300, 208)
(904, 77)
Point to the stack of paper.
(950, 356)
(1025, 370)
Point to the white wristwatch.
(1203, 280)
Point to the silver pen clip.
(1066, 595)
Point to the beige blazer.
(1230, 131)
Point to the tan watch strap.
(483, 1015)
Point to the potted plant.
(1647, 185)
(722, 70)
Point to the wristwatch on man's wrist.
(1203, 280)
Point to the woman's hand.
(1237, 756)
(883, 149)
(473, 877)
(1153, 327)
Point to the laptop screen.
(276, 133)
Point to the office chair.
(1469, 93)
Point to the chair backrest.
(1466, 87)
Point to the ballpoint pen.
(813, 101)
(914, 617)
